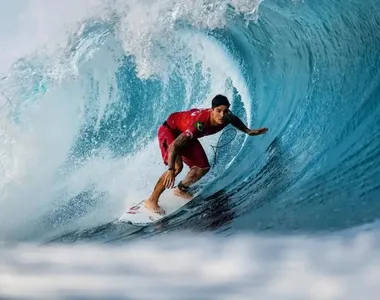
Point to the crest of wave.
(152, 31)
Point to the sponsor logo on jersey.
(199, 126)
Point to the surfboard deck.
(138, 214)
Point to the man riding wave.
(178, 139)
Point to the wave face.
(85, 86)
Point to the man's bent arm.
(236, 122)
(181, 141)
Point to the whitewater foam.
(64, 84)
(198, 267)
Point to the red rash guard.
(195, 123)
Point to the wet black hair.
(220, 100)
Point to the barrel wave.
(85, 86)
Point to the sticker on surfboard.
(138, 214)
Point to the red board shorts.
(193, 155)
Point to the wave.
(83, 88)
(82, 99)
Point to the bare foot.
(181, 194)
(154, 207)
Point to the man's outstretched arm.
(236, 122)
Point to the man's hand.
(169, 179)
(257, 131)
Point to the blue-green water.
(306, 70)
(79, 113)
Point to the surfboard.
(138, 214)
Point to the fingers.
(166, 181)
(262, 130)
(172, 178)
(169, 180)
(169, 183)
(258, 131)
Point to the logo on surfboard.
(133, 210)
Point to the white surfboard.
(138, 214)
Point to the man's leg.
(195, 157)
(152, 202)
(194, 174)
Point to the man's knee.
(201, 170)
(178, 169)
(205, 170)
(178, 166)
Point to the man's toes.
(159, 211)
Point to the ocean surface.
(292, 214)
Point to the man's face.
(219, 114)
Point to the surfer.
(178, 139)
